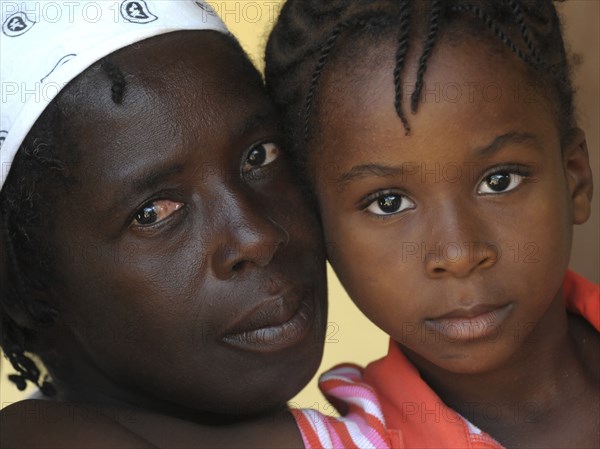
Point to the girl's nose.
(461, 245)
(251, 238)
(460, 259)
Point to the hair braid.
(321, 61)
(492, 25)
(403, 41)
(16, 341)
(307, 33)
(27, 271)
(520, 19)
(326, 49)
(434, 17)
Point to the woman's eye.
(260, 155)
(390, 204)
(500, 182)
(155, 211)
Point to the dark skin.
(430, 254)
(190, 277)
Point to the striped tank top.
(362, 424)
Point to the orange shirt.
(388, 405)
(415, 416)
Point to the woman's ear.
(576, 164)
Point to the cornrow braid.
(326, 49)
(434, 17)
(37, 168)
(492, 25)
(309, 32)
(519, 17)
(403, 39)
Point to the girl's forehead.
(465, 71)
(471, 94)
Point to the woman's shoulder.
(48, 424)
(38, 423)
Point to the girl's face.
(190, 268)
(453, 239)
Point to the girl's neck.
(551, 367)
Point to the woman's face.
(190, 267)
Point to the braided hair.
(27, 259)
(308, 32)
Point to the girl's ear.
(579, 175)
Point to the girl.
(440, 141)
(157, 255)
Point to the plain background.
(350, 336)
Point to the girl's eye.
(390, 204)
(155, 211)
(260, 155)
(500, 182)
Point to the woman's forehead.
(200, 73)
(161, 65)
(196, 97)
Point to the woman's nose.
(251, 238)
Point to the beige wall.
(350, 336)
(582, 24)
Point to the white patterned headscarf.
(45, 44)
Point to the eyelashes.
(502, 179)
(387, 203)
(497, 181)
(260, 155)
(154, 212)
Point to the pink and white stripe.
(361, 425)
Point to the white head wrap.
(45, 44)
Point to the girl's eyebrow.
(385, 171)
(505, 140)
(363, 170)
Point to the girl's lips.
(273, 325)
(473, 323)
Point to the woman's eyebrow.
(155, 176)
(147, 179)
(257, 120)
(142, 182)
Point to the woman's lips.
(275, 324)
(472, 323)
